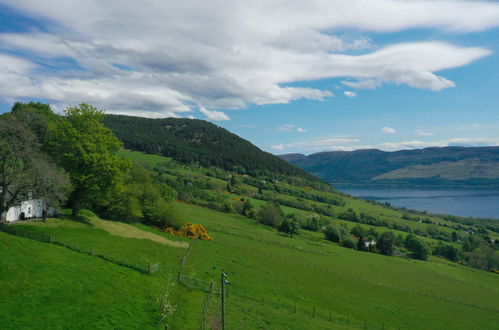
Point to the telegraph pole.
(223, 282)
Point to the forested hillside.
(453, 166)
(197, 141)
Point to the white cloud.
(315, 145)
(363, 84)
(214, 115)
(165, 57)
(350, 94)
(416, 144)
(389, 130)
(291, 128)
(424, 133)
(278, 147)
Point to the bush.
(348, 243)
(385, 243)
(290, 226)
(270, 214)
(418, 248)
(332, 233)
(312, 222)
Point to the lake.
(461, 202)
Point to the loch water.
(460, 202)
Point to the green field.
(94, 275)
(270, 274)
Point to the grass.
(270, 272)
(276, 282)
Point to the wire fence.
(144, 266)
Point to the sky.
(290, 76)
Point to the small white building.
(29, 209)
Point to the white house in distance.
(29, 209)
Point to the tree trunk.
(3, 215)
(76, 203)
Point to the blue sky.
(288, 76)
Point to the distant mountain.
(192, 140)
(449, 166)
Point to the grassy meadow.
(91, 277)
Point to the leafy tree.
(25, 169)
(290, 226)
(37, 116)
(312, 222)
(358, 231)
(87, 150)
(483, 257)
(385, 243)
(332, 233)
(348, 243)
(247, 207)
(270, 214)
(447, 251)
(418, 248)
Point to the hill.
(449, 166)
(299, 254)
(197, 141)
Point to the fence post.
(149, 267)
(313, 314)
(50, 238)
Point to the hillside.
(449, 166)
(276, 282)
(197, 141)
(299, 254)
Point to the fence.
(25, 233)
(146, 267)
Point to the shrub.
(348, 243)
(332, 233)
(418, 248)
(385, 243)
(270, 214)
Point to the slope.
(197, 141)
(437, 166)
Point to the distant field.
(460, 170)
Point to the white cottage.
(29, 209)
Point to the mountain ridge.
(474, 166)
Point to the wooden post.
(50, 238)
(222, 283)
(149, 267)
(313, 313)
(211, 288)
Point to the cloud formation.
(167, 57)
(389, 130)
(214, 115)
(350, 94)
(291, 128)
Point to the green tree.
(247, 207)
(332, 233)
(358, 231)
(385, 243)
(270, 214)
(87, 150)
(290, 226)
(418, 248)
(25, 169)
(348, 243)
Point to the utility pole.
(223, 282)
